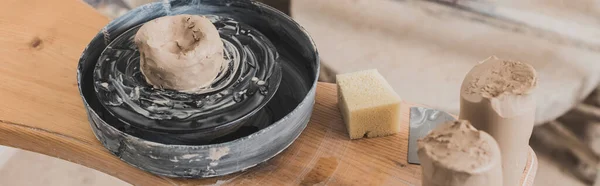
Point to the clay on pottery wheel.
(134, 69)
(271, 75)
(181, 52)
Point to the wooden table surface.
(40, 43)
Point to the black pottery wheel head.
(257, 109)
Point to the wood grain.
(42, 112)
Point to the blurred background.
(424, 48)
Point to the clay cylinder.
(495, 97)
(457, 154)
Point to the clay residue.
(182, 52)
(321, 173)
(458, 146)
(494, 77)
(217, 153)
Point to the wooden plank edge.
(72, 149)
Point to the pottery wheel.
(257, 107)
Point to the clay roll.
(496, 97)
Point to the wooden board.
(322, 154)
(42, 112)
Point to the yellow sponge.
(368, 104)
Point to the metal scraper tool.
(423, 120)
